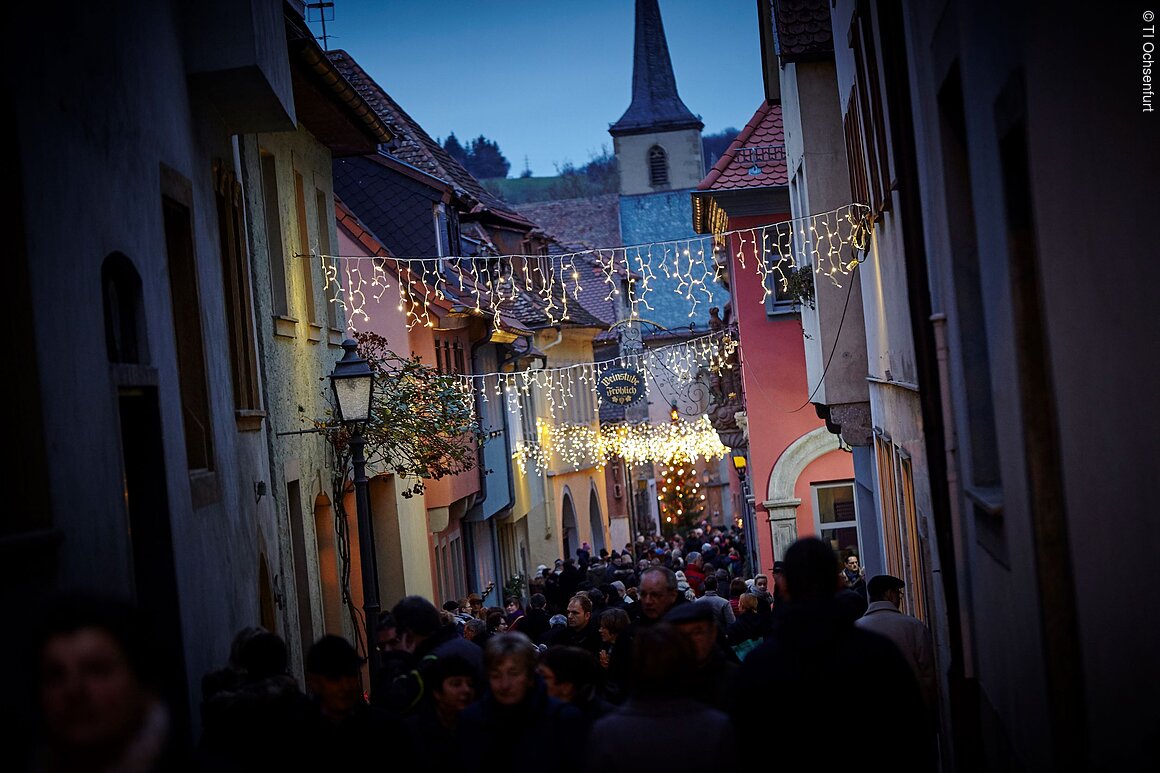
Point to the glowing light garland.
(684, 361)
(496, 284)
(581, 445)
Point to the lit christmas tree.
(681, 499)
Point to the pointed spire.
(656, 106)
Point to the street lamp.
(353, 382)
(741, 465)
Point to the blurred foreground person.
(252, 711)
(97, 691)
(658, 717)
(343, 729)
(431, 730)
(816, 653)
(516, 726)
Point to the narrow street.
(557, 386)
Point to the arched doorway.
(596, 521)
(568, 533)
(782, 504)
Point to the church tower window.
(658, 167)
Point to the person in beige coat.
(884, 617)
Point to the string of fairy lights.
(582, 445)
(499, 285)
(555, 389)
(424, 289)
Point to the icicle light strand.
(495, 285)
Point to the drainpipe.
(559, 338)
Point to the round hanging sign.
(620, 386)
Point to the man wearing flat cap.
(712, 680)
(884, 617)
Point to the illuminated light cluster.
(681, 499)
(494, 285)
(555, 388)
(582, 445)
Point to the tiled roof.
(396, 207)
(592, 222)
(655, 102)
(803, 29)
(759, 147)
(347, 220)
(417, 148)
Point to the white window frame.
(819, 526)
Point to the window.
(789, 251)
(442, 231)
(915, 577)
(187, 331)
(658, 167)
(274, 245)
(305, 260)
(334, 317)
(836, 517)
(123, 306)
(449, 357)
(528, 416)
(984, 481)
(236, 286)
(905, 547)
(865, 124)
(891, 539)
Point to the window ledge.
(286, 327)
(335, 337)
(249, 419)
(314, 332)
(784, 311)
(989, 499)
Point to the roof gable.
(756, 159)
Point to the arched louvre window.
(658, 167)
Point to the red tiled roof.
(733, 171)
(803, 29)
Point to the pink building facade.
(798, 480)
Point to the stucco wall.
(819, 182)
(93, 124)
(776, 391)
(296, 355)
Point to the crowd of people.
(616, 660)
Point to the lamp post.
(741, 465)
(353, 381)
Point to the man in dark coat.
(583, 631)
(816, 653)
(423, 634)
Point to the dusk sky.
(545, 78)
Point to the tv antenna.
(325, 11)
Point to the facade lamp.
(353, 382)
(740, 463)
(674, 414)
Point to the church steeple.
(656, 106)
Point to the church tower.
(658, 140)
(658, 152)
